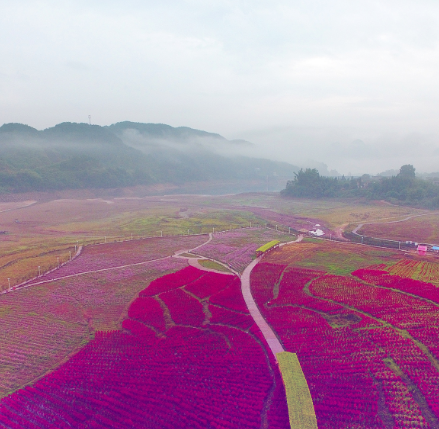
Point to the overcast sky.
(352, 84)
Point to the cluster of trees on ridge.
(404, 188)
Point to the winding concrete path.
(269, 335)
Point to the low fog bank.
(72, 156)
(347, 151)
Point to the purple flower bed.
(111, 255)
(237, 248)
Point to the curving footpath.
(269, 335)
(300, 406)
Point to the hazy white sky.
(352, 84)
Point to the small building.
(267, 247)
(422, 249)
(435, 248)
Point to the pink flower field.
(103, 256)
(369, 354)
(238, 248)
(42, 325)
(185, 358)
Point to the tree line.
(404, 188)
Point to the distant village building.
(422, 249)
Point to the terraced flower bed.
(238, 248)
(369, 349)
(425, 271)
(189, 356)
(42, 325)
(131, 252)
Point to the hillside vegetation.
(76, 156)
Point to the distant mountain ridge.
(79, 155)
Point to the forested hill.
(72, 156)
(403, 188)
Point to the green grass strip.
(213, 265)
(267, 246)
(300, 406)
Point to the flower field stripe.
(218, 375)
(415, 288)
(104, 257)
(300, 406)
(78, 253)
(369, 353)
(94, 271)
(384, 309)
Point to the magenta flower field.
(369, 353)
(42, 325)
(184, 359)
(103, 256)
(238, 248)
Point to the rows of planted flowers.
(361, 347)
(287, 220)
(111, 255)
(41, 325)
(189, 356)
(237, 248)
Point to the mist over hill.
(78, 155)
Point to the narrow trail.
(354, 231)
(267, 332)
(89, 272)
(32, 282)
(269, 335)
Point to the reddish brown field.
(422, 229)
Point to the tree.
(407, 171)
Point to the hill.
(78, 156)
